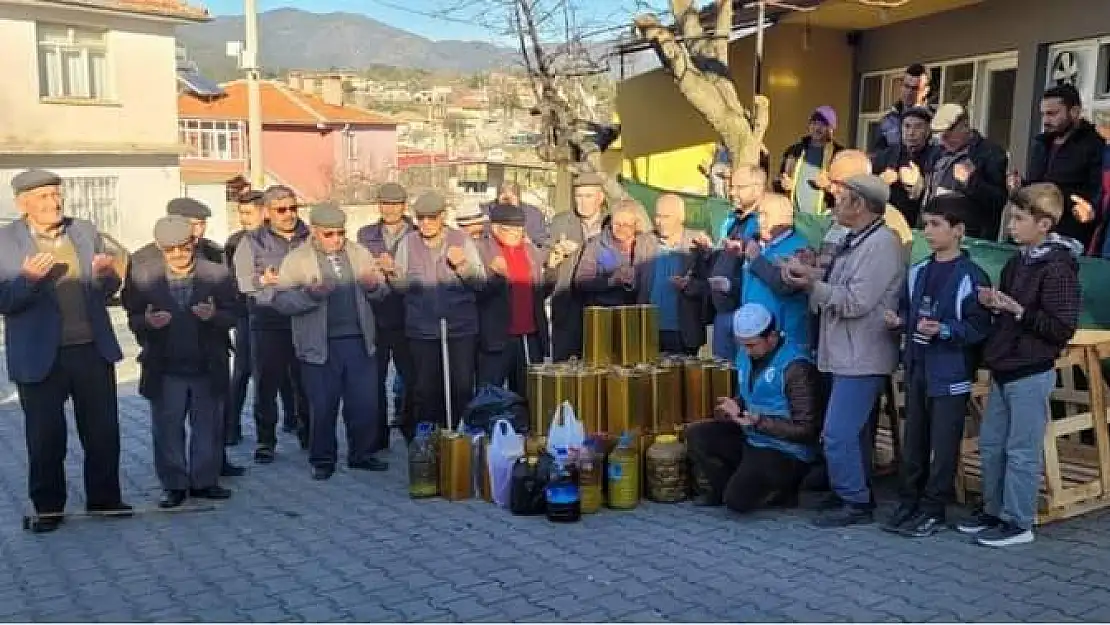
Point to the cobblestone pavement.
(285, 548)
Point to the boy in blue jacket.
(943, 325)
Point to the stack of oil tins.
(625, 386)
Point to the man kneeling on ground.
(756, 453)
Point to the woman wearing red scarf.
(512, 318)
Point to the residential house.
(89, 93)
(995, 57)
(314, 144)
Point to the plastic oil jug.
(423, 463)
(591, 468)
(666, 470)
(564, 503)
(624, 474)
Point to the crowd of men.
(316, 315)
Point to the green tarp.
(708, 214)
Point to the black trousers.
(934, 429)
(392, 344)
(744, 476)
(274, 366)
(80, 373)
(670, 342)
(430, 405)
(510, 363)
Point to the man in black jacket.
(896, 164)
(966, 161)
(1069, 154)
(251, 215)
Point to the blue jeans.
(850, 404)
(1011, 447)
(347, 375)
(724, 344)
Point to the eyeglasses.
(281, 210)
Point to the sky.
(424, 17)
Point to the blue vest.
(766, 397)
(792, 311)
(269, 250)
(435, 291)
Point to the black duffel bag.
(492, 403)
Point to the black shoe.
(1004, 535)
(171, 499)
(830, 501)
(322, 472)
(45, 523)
(845, 516)
(212, 492)
(980, 522)
(923, 525)
(708, 500)
(264, 455)
(113, 510)
(783, 500)
(899, 519)
(369, 464)
(231, 470)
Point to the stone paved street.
(285, 548)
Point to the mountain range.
(296, 39)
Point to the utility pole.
(254, 94)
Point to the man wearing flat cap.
(180, 310)
(151, 257)
(439, 271)
(512, 315)
(761, 443)
(570, 232)
(55, 279)
(535, 222)
(966, 162)
(256, 268)
(382, 239)
(326, 286)
(851, 297)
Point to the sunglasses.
(281, 210)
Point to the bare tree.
(698, 62)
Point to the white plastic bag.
(566, 430)
(505, 447)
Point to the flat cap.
(588, 180)
(172, 230)
(251, 197)
(429, 204)
(188, 208)
(920, 112)
(33, 179)
(327, 215)
(506, 215)
(947, 115)
(469, 213)
(392, 193)
(870, 187)
(750, 321)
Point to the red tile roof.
(165, 8)
(280, 106)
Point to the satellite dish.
(1065, 69)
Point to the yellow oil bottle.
(624, 474)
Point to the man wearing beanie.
(803, 161)
(512, 318)
(760, 445)
(55, 280)
(326, 287)
(150, 258)
(180, 310)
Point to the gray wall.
(1027, 26)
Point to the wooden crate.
(1076, 474)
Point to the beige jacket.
(300, 269)
(866, 280)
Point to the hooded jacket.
(1045, 281)
(1076, 168)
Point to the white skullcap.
(750, 321)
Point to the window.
(352, 146)
(95, 198)
(1102, 76)
(73, 63)
(959, 84)
(216, 140)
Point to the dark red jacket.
(1045, 282)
